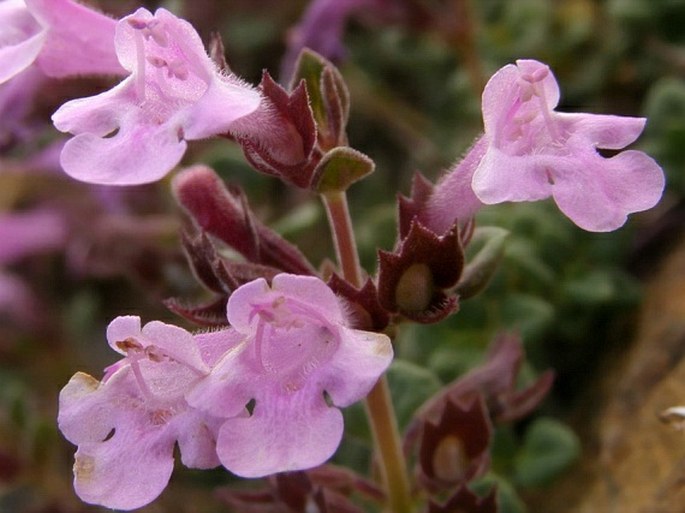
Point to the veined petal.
(285, 433)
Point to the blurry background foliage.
(415, 106)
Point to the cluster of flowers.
(261, 393)
(259, 397)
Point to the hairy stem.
(379, 407)
(343, 236)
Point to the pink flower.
(63, 37)
(534, 152)
(127, 425)
(297, 364)
(136, 132)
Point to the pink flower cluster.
(259, 397)
(263, 395)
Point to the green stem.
(386, 437)
(343, 236)
(379, 407)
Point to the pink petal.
(99, 115)
(499, 95)
(228, 388)
(21, 38)
(599, 194)
(16, 58)
(80, 41)
(86, 413)
(224, 102)
(313, 291)
(240, 308)
(286, 432)
(126, 472)
(500, 177)
(120, 329)
(136, 155)
(197, 440)
(603, 131)
(361, 358)
(176, 343)
(215, 344)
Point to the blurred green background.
(415, 84)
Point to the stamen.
(129, 344)
(140, 72)
(178, 69)
(549, 122)
(550, 178)
(258, 340)
(160, 417)
(137, 24)
(158, 32)
(155, 355)
(157, 62)
(145, 390)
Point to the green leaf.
(481, 267)
(340, 168)
(549, 448)
(507, 499)
(529, 315)
(410, 386)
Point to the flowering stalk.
(378, 404)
